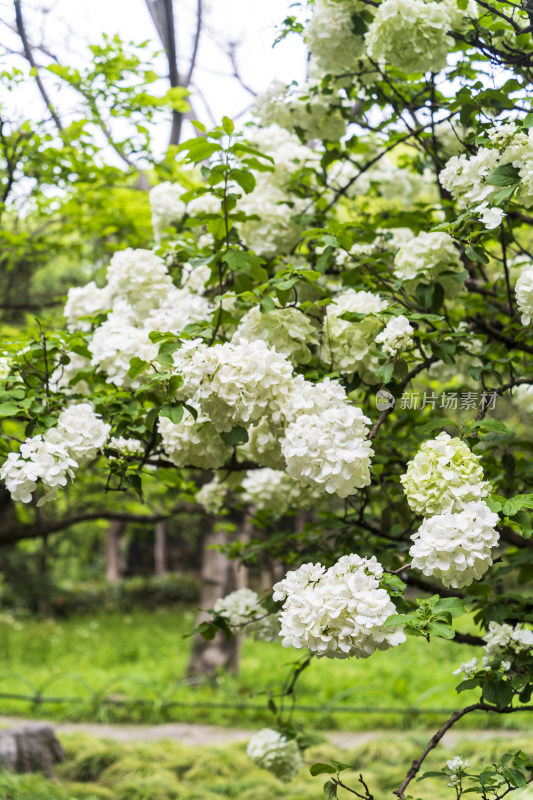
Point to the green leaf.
(385, 372)
(245, 179)
(330, 790)
(237, 260)
(441, 629)
(174, 412)
(477, 254)
(237, 435)
(267, 304)
(527, 122)
(227, 125)
(8, 409)
(515, 777)
(137, 367)
(429, 427)
(397, 619)
(321, 769)
(451, 605)
(504, 175)
(174, 383)
(499, 693)
(469, 683)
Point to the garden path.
(192, 734)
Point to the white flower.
(52, 458)
(125, 447)
(329, 450)
(114, 344)
(426, 257)
(524, 293)
(85, 301)
(443, 476)
(38, 460)
(468, 668)
(457, 763)
(286, 330)
(234, 384)
(330, 35)
(396, 336)
(276, 492)
(244, 611)
(166, 204)
(456, 548)
(262, 446)
(193, 442)
(140, 279)
(274, 752)
(491, 217)
(305, 109)
(411, 35)
(349, 346)
(505, 638)
(81, 431)
(211, 496)
(337, 613)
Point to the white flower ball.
(339, 612)
(443, 477)
(456, 548)
(275, 753)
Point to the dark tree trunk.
(160, 548)
(112, 552)
(220, 576)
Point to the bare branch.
(29, 58)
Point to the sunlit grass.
(144, 655)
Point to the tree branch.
(29, 57)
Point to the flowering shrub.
(320, 343)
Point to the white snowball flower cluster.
(503, 642)
(179, 308)
(234, 384)
(456, 548)
(285, 148)
(329, 450)
(243, 610)
(85, 301)
(114, 344)
(322, 437)
(465, 177)
(330, 36)
(275, 231)
(339, 612)
(457, 766)
(262, 446)
(443, 477)
(274, 491)
(524, 293)
(286, 330)
(125, 447)
(396, 336)
(193, 442)
(81, 431)
(274, 752)
(506, 638)
(307, 110)
(37, 460)
(349, 346)
(211, 496)
(53, 457)
(166, 205)
(426, 257)
(411, 35)
(140, 278)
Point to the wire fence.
(158, 703)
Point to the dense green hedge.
(129, 593)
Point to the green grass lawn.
(99, 770)
(144, 655)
